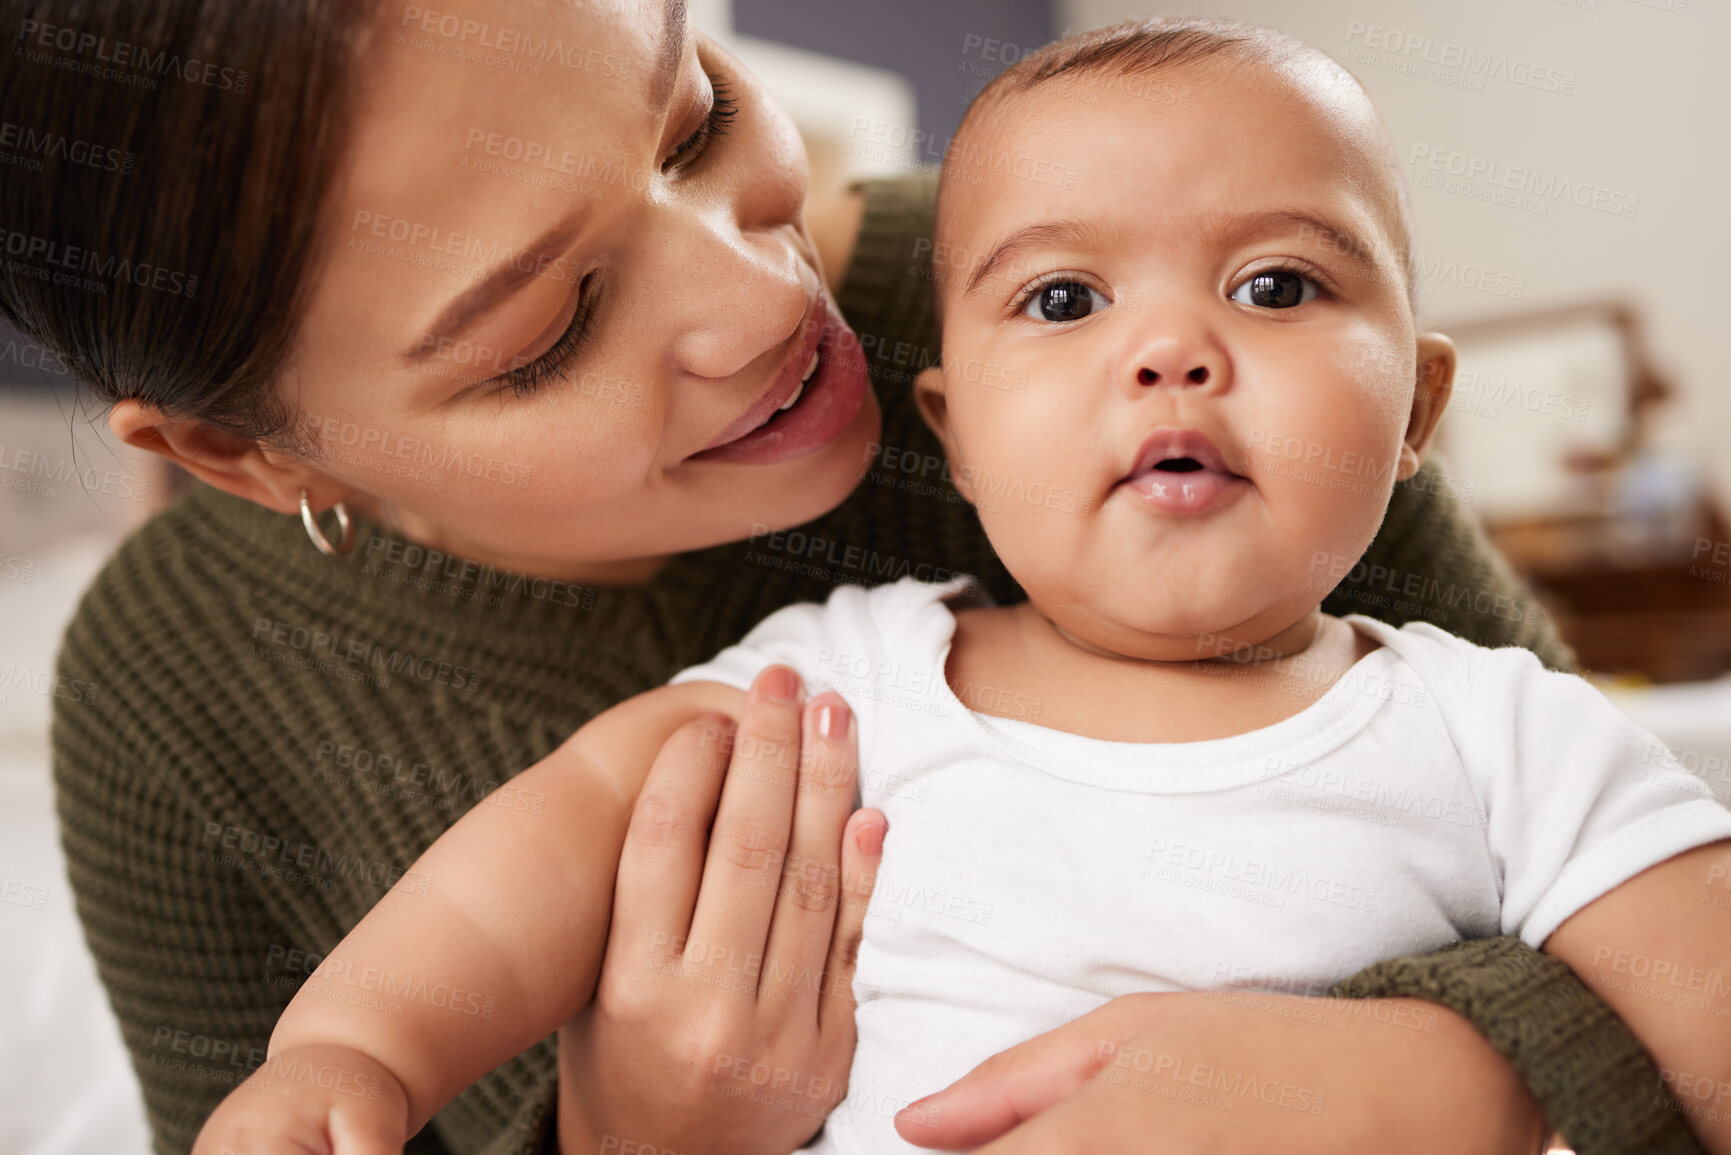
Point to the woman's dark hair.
(167, 161)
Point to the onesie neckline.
(1180, 767)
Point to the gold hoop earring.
(311, 522)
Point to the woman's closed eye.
(524, 380)
(723, 107)
(1062, 299)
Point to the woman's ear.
(1430, 396)
(269, 477)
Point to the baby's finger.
(805, 908)
(861, 852)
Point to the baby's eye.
(1063, 301)
(1276, 289)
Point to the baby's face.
(1151, 279)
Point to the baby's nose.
(1198, 375)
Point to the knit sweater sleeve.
(152, 783)
(1430, 561)
(181, 944)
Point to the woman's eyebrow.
(509, 276)
(499, 285)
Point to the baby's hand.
(310, 1100)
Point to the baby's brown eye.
(1063, 301)
(1276, 289)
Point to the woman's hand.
(724, 1016)
(1232, 1072)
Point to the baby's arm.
(491, 942)
(1658, 950)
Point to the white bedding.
(66, 1084)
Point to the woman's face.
(566, 284)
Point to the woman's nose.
(744, 295)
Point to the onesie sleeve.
(1580, 797)
(846, 644)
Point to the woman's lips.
(821, 409)
(787, 379)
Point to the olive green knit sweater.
(281, 734)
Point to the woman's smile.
(791, 421)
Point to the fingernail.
(780, 685)
(833, 720)
(870, 840)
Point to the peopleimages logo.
(74, 259)
(120, 59)
(1474, 63)
(313, 643)
(83, 152)
(1491, 174)
(512, 49)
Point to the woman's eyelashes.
(723, 107)
(525, 379)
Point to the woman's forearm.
(1595, 1081)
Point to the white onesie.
(1438, 791)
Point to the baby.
(1165, 251)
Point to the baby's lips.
(1170, 442)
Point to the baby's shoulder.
(1482, 682)
(888, 611)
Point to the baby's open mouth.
(1169, 449)
(1180, 471)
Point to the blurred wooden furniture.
(1551, 422)
(1662, 616)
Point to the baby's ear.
(929, 396)
(1430, 396)
(935, 408)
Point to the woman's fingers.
(805, 910)
(742, 872)
(1008, 1088)
(661, 863)
(862, 843)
